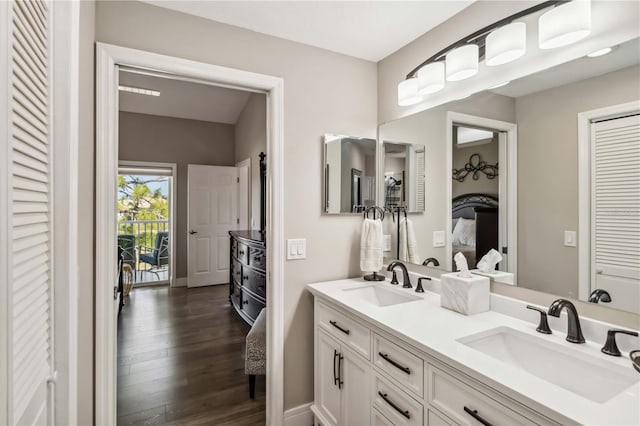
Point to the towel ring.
(375, 209)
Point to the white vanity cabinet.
(363, 376)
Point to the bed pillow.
(464, 232)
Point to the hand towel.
(371, 245)
(408, 243)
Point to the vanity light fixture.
(499, 43)
(565, 24)
(506, 44)
(138, 90)
(600, 52)
(462, 62)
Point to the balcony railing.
(144, 232)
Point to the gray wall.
(324, 92)
(548, 175)
(176, 140)
(251, 140)
(489, 153)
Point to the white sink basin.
(592, 377)
(380, 296)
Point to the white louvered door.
(615, 207)
(26, 164)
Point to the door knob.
(193, 232)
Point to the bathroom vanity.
(389, 356)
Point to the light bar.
(138, 90)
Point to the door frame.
(585, 249)
(510, 156)
(172, 209)
(108, 59)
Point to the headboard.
(463, 205)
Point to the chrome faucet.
(406, 282)
(574, 332)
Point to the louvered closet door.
(29, 171)
(615, 207)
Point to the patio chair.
(157, 256)
(128, 245)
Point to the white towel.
(408, 243)
(371, 245)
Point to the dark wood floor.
(181, 360)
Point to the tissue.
(461, 265)
(489, 261)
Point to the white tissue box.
(465, 295)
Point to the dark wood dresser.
(247, 280)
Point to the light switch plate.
(570, 238)
(438, 239)
(296, 248)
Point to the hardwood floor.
(181, 360)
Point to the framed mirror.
(349, 174)
(545, 170)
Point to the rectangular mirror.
(545, 170)
(404, 176)
(349, 174)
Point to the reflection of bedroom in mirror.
(349, 174)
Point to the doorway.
(109, 59)
(484, 218)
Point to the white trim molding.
(584, 186)
(508, 152)
(109, 58)
(299, 416)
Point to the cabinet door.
(355, 381)
(327, 393)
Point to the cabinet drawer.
(251, 306)
(255, 282)
(436, 419)
(236, 271)
(378, 419)
(243, 253)
(461, 402)
(395, 404)
(356, 335)
(257, 258)
(400, 364)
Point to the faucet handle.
(543, 325)
(419, 288)
(394, 278)
(610, 347)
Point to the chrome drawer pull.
(475, 415)
(344, 330)
(394, 406)
(395, 364)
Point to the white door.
(244, 185)
(615, 210)
(355, 404)
(327, 393)
(212, 212)
(26, 256)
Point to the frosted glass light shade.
(564, 24)
(408, 92)
(506, 44)
(431, 78)
(462, 62)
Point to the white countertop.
(435, 330)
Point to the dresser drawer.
(257, 258)
(234, 247)
(236, 271)
(242, 253)
(357, 336)
(395, 404)
(400, 364)
(461, 402)
(251, 306)
(254, 281)
(236, 295)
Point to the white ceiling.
(623, 56)
(182, 99)
(369, 30)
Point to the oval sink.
(380, 296)
(589, 376)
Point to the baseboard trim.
(180, 282)
(299, 416)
